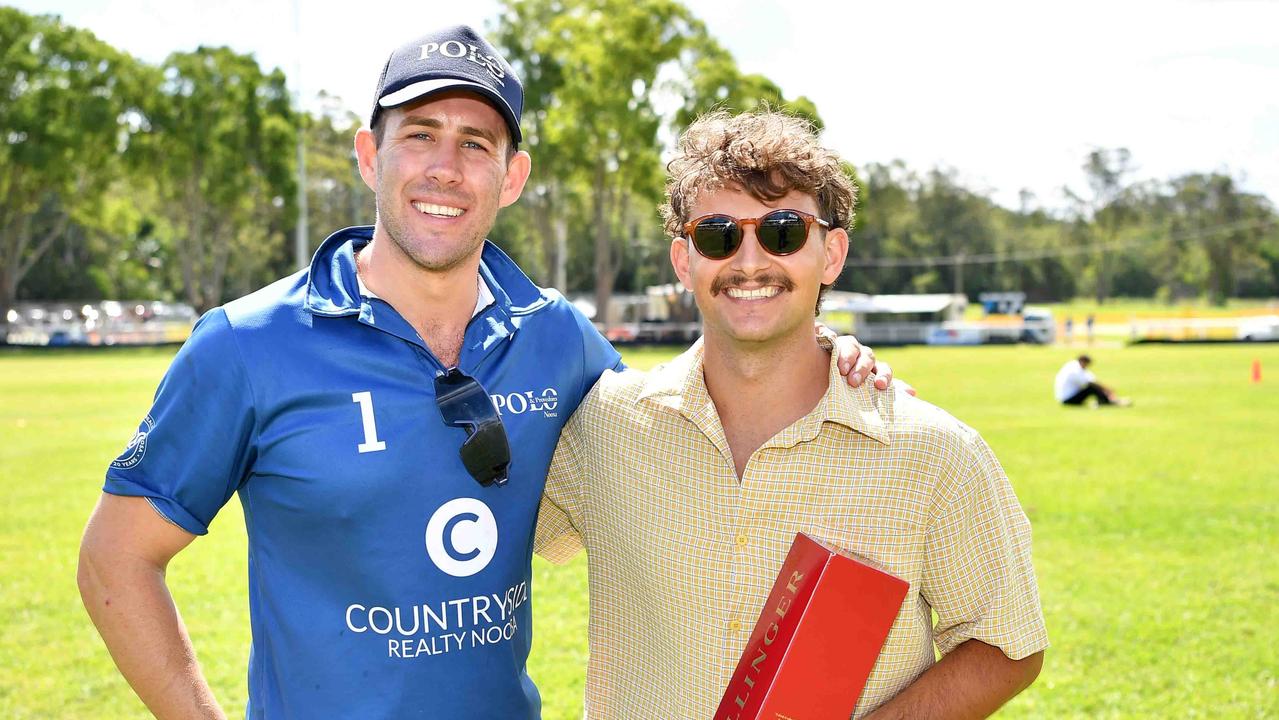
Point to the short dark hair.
(1084, 360)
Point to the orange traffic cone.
(1256, 371)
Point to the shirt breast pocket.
(895, 548)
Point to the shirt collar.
(680, 386)
(333, 286)
(483, 297)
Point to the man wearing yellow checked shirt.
(686, 484)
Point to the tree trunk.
(1220, 270)
(541, 207)
(560, 276)
(188, 251)
(8, 296)
(188, 247)
(18, 256)
(221, 253)
(21, 255)
(624, 221)
(603, 246)
(1101, 287)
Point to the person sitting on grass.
(1075, 383)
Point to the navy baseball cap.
(454, 58)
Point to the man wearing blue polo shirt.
(365, 410)
(388, 568)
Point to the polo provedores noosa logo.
(461, 537)
(517, 403)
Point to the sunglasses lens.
(486, 454)
(782, 232)
(717, 236)
(463, 403)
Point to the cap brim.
(425, 88)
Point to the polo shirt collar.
(333, 287)
(483, 296)
(680, 386)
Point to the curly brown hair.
(767, 153)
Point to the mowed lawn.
(1156, 531)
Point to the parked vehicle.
(1259, 329)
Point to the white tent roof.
(890, 304)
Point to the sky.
(1011, 95)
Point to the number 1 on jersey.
(371, 443)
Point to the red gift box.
(817, 638)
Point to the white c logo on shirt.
(461, 537)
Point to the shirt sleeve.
(559, 536)
(196, 445)
(598, 354)
(978, 576)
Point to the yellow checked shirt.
(682, 555)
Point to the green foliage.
(336, 195)
(68, 112)
(147, 182)
(598, 75)
(177, 182)
(904, 215)
(1197, 234)
(221, 153)
(1202, 203)
(591, 67)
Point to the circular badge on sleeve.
(137, 446)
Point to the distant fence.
(98, 323)
(1255, 328)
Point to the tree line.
(123, 179)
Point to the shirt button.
(734, 626)
(742, 540)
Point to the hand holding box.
(816, 640)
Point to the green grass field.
(1154, 532)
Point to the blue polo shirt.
(384, 582)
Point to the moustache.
(732, 280)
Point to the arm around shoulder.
(126, 548)
(559, 520)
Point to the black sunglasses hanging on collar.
(464, 403)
